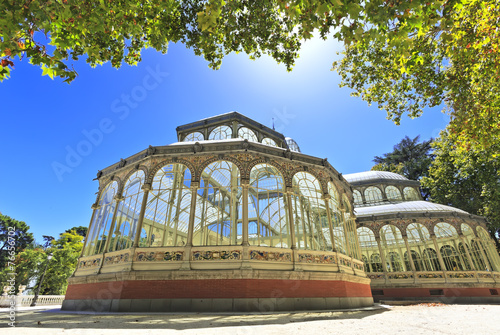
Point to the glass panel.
(410, 193)
(393, 245)
(444, 230)
(312, 229)
(451, 258)
(376, 263)
(350, 229)
(128, 213)
(337, 220)
(448, 239)
(292, 145)
(267, 208)
(269, 141)
(247, 134)
(463, 249)
(373, 195)
(369, 249)
(393, 193)
(477, 257)
(431, 260)
(358, 200)
(218, 206)
(489, 248)
(420, 243)
(221, 133)
(166, 217)
(475, 248)
(193, 137)
(103, 216)
(365, 263)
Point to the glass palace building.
(415, 249)
(234, 217)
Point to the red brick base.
(217, 289)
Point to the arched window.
(128, 213)
(311, 222)
(193, 137)
(337, 220)
(218, 218)
(417, 261)
(376, 263)
(350, 229)
(419, 240)
(474, 251)
(394, 263)
(166, 217)
(463, 249)
(292, 145)
(267, 208)
(220, 133)
(489, 248)
(447, 239)
(393, 244)
(445, 230)
(269, 141)
(431, 260)
(373, 195)
(247, 134)
(451, 258)
(358, 200)
(366, 263)
(410, 193)
(392, 193)
(103, 216)
(368, 245)
(477, 257)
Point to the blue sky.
(124, 111)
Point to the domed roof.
(373, 175)
(405, 207)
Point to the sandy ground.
(383, 319)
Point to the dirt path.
(417, 319)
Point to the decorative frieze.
(345, 262)
(115, 259)
(158, 256)
(359, 266)
(430, 275)
(376, 276)
(270, 256)
(486, 275)
(89, 263)
(216, 255)
(400, 276)
(461, 275)
(318, 259)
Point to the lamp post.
(33, 304)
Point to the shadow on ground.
(56, 319)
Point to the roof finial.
(273, 124)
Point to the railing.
(26, 300)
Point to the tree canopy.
(469, 180)
(431, 53)
(30, 259)
(65, 251)
(408, 158)
(19, 234)
(80, 230)
(403, 55)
